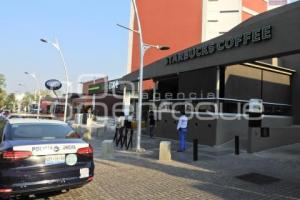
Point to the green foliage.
(2, 81)
(10, 101)
(45, 93)
(27, 99)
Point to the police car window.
(40, 131)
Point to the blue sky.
(87, 32)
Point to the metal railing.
(219, 105)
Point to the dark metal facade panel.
(276, 88)
(294, 62)
(242, 82)
(204, 130)
(200, 83)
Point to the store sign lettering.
(96, 88)
(258, 35)
(113, 85)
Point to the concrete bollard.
(107, 149)
(165, 151)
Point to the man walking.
(182, 130)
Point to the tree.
(27, 99)
(2, 90)
(45, 93)
(10, 101)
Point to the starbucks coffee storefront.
(214, 80)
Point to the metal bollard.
(237, 145)
(195, 149)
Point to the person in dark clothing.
(151, 123)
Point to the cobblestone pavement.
(131, 175)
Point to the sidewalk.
(270, 174)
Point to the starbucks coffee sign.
(258, 35)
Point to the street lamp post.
(33, 75)
(57, 47)
(14, 102)
(143, 48)
(26, 90)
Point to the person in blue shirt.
(182, 130)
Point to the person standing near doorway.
(151, 123)
(182, 131)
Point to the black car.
(41, 156)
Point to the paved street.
(141, 176)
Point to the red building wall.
(175, 23)
(245, 16)
(258, 6)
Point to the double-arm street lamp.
(37, 82)
(26, 90)
(143, 48)
(57, 47)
